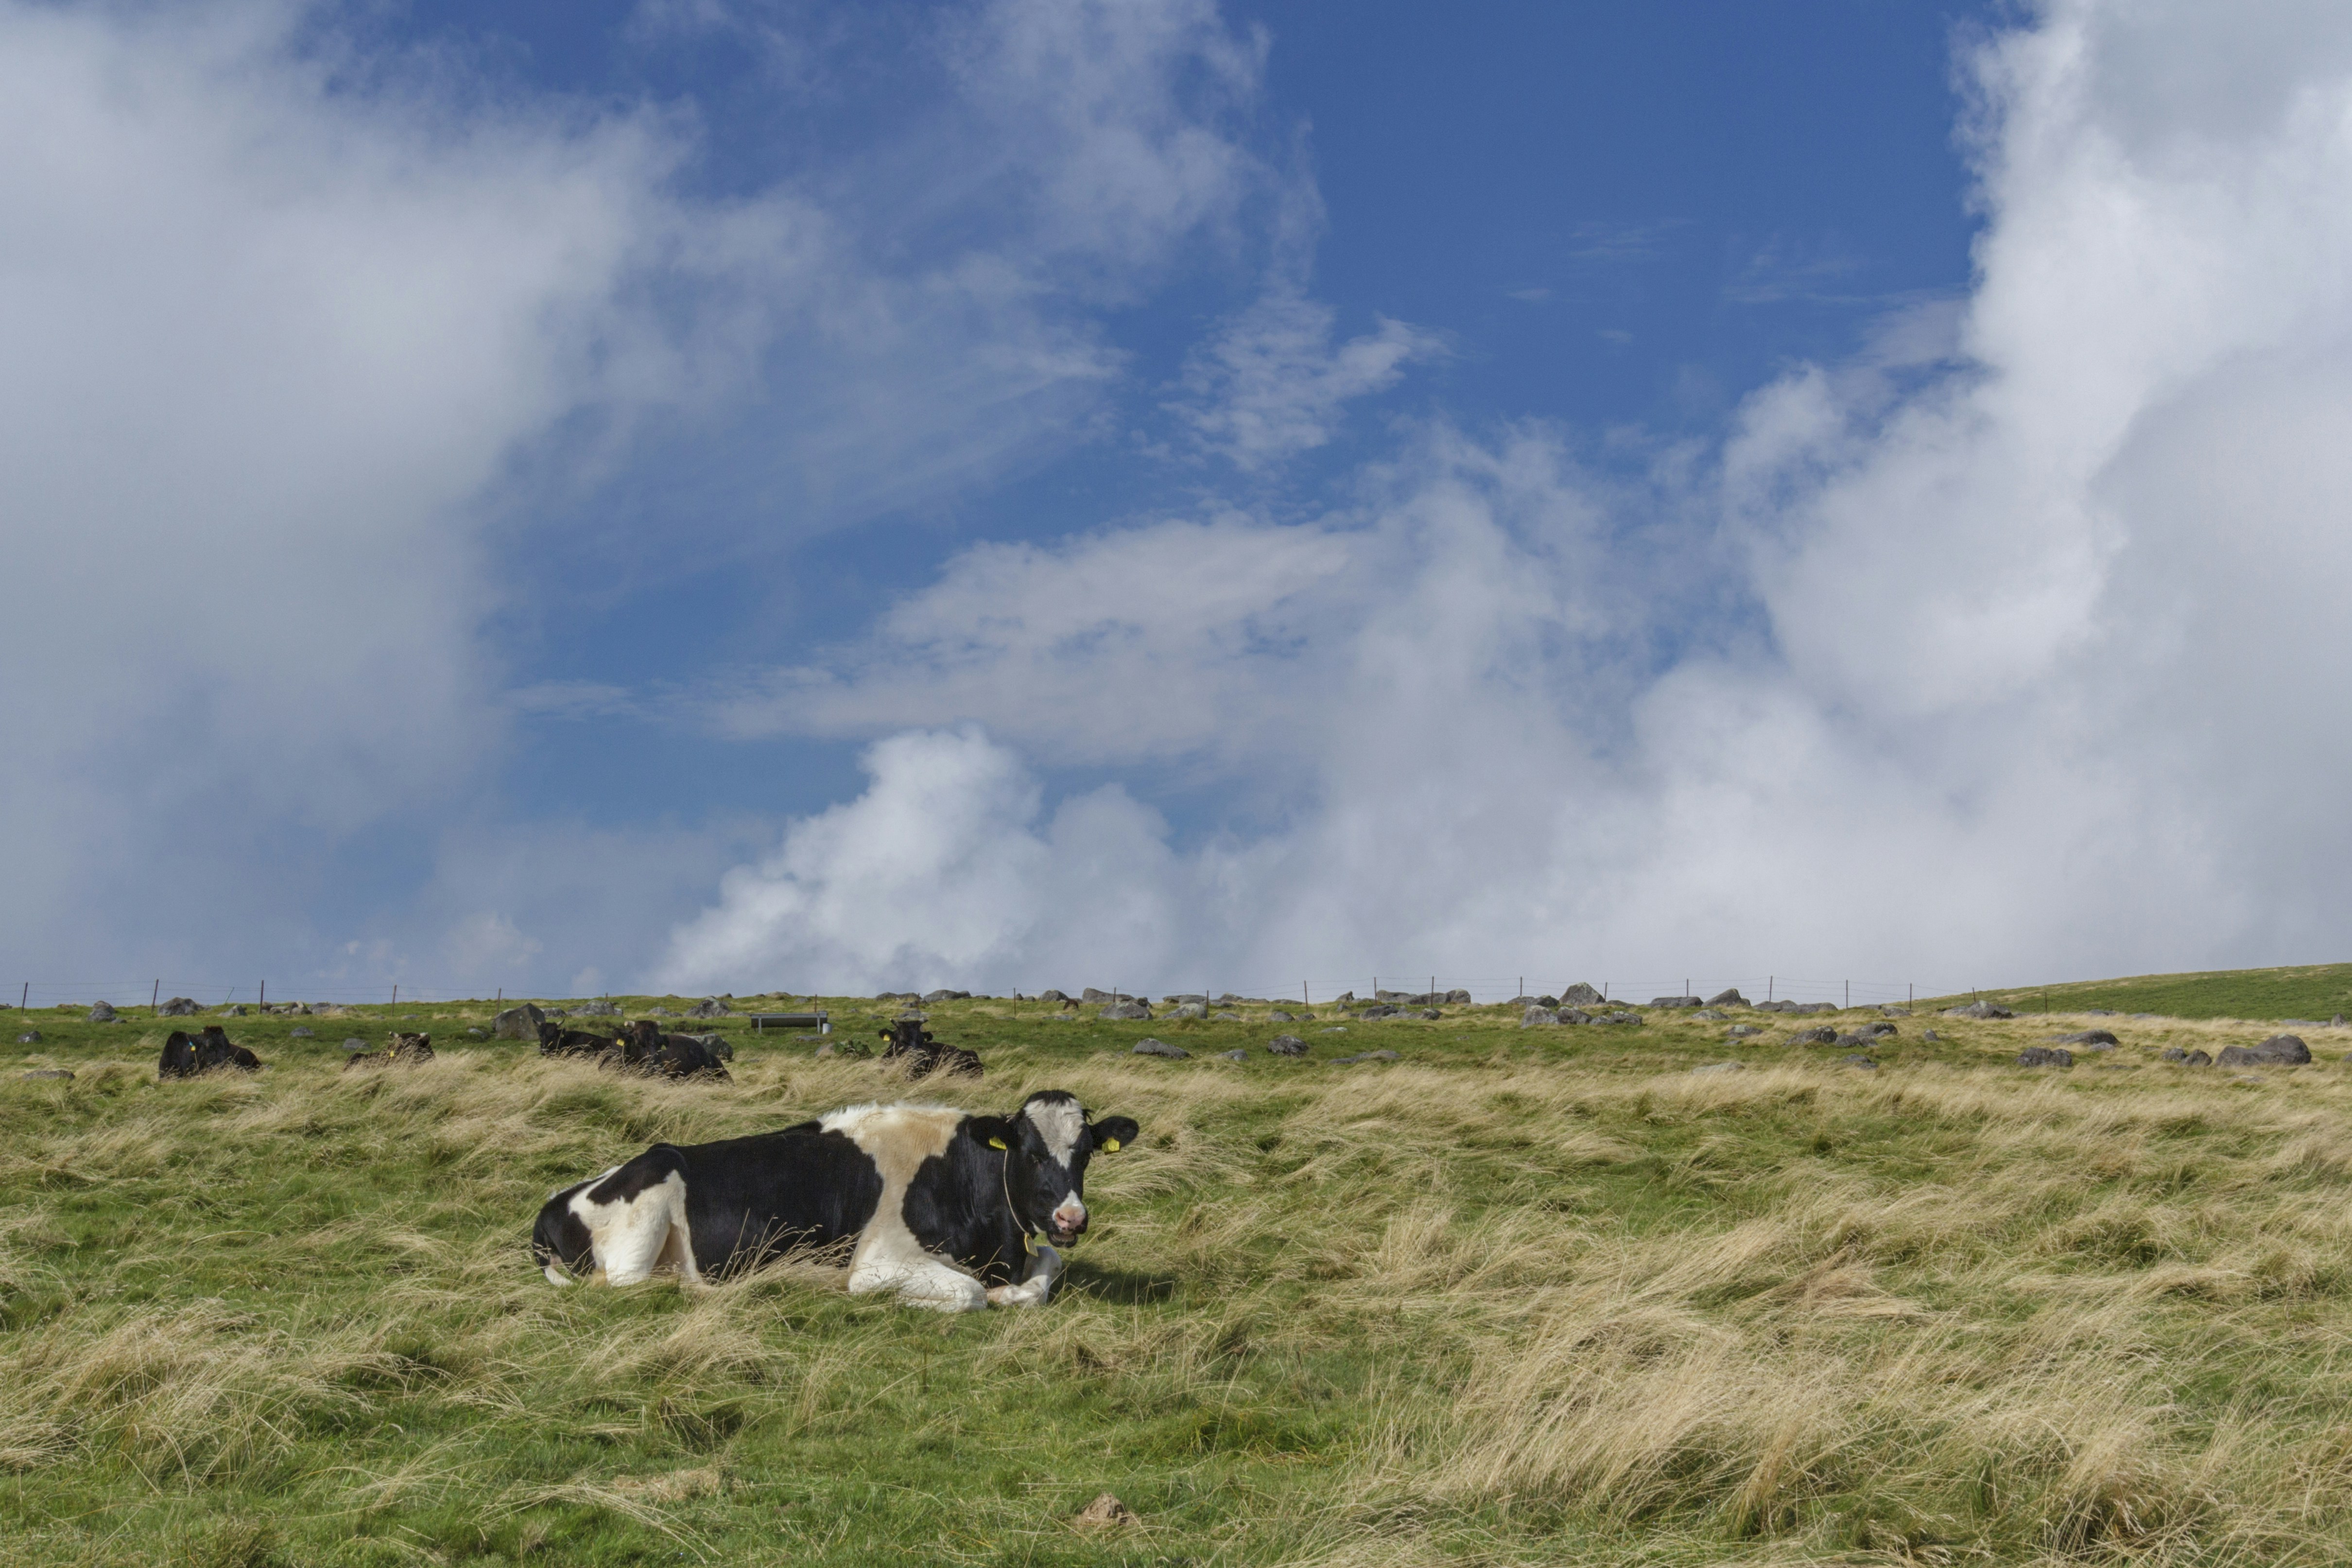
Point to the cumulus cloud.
(316, 359)
(2006, 650)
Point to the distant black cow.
(554, 1040)
(209, 1052)
(916, 1046)
(401, 1050)
(643, 1048)
(949, 1210)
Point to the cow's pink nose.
(1070, 1220)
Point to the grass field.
(2307, 991)
(1521, 1296)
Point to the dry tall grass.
(1497, 1309)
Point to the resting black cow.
(554, 1040)
(208, 1053)
(643, 1047)
(949, 1210)
(916, 1046)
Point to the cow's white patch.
(1060, 1122)
(631, 1240)
(899, 1139)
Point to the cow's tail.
(559, 1244)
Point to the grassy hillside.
(1521, 1296)
(2311, 991)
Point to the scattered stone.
(1190, 1010)
(1979, 1010)
(1929, 1034)
(928, 998)
(1091, 995)
(710, 1008)
(1232, 1056)
(1809, 1009)
(58, 1073)
(1378, 1012)
(1290, 1044)
(1149, 1047)
(1344, 999)
(1853, 1040)
(1864, 1062)
(178, 1008)
(1895, 1012)
(1278, 1016)
(1722, 1067)
(1776, 1007)
(30, 1037)
(1367, 1056)
(1457, 999)
(1879, 1030)
(1535, 1017)
(601, 1007)
(1822, 1035)
(1709, 1014)
(102, 1013)
(2101, 1038)
(2279, 1051)
(1582, 996)
(234, 1011)
(1181, 998)
(1228, 1018)
(1574, 1015)
(520, 1022)
(2174, 1054)
(1675, 1003)
(1106, 1512)
(2044, 1056)
(1051, 995)
(400, 1051)
(479, 1033)
(1631, 1018)
(1730, 999)
(1742, 1030)
(2197, 1059)
(1124, 1012)
(297, 1033)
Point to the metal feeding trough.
(820, 1023)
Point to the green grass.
(2320, 991)
(1524, 1296)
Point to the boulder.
(2095, 1037)
(1730, 999)
(1807, 1010)
(1895, 1012)
(1776, 1007)
(178, 1008)
(1721, 1066)
(1232, 1056)
(1091, 995)
(1535, 1017)
(1278, 1016)
(1979, 1010)
(400, 1051)
(1147, 1047)
(1929, 1034)
(2279, 1051)
(1862, 1062)
(1709, 1015)
(1617, 1017)
(235, 1010)
(2174, 1054)
(1287, 1045)
(1821, 1035)
(1191, 1010)
(1457, 999)
(1188, 998)
(1879, 1030)
(1742, 1030)
(710, 1008)
(1124, 1012)
(102, 1013)
(1227, 1018)
(1574, 1015)
(520, 1022)
(2045, 1056)
(1377, 1012)
(1051, 995)
(928, 998)
(1366, 1056)
(1344, 999)
(600, 1009)
(1581, 995)
(1676, 1002)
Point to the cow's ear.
(1115, 1133)
(996, 1132)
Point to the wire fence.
(1478, 988)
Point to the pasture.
(1530, 1296)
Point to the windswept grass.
(1522, 1296)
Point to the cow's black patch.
(559, 1237)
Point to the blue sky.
(725, 496)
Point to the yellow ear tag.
(996, 1142)
(1111, 1145)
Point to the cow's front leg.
(919, 1282)
(1035, 1286)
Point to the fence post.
(1849, 993)
(262, 1000)
(23, 996)
(396, 993)
(154, 996)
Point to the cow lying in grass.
(641, 1047)
(208, 1053)
(949, 1210)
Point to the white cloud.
(302, 343)
(2018, 666)
(1270, 384)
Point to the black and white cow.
(949, 1210)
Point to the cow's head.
(1047, 1145)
